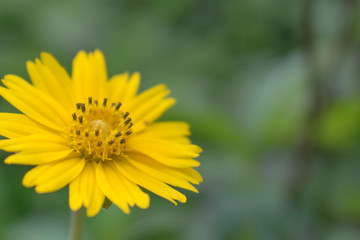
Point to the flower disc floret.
(99, 132)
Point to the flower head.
(97, 136)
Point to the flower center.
(99, 132)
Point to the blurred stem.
(320, 94)
(305, 149)
(76, 221)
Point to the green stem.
(76, 227)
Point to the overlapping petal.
(84, 191)
(160, 172)
(170, 153)
(35, 143)
(123, 88)
(36, 158)
(149, 105)
(118, 189)
(51, 78)
(146, 181)
(34, 103)
(173, 131)
(13, 125)
(117, 86)
(53, 176)
(89, 76)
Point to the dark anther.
(96, 102)
(77, 131)
(128, 133)
(99, 143)
(80, 119)
(113, 104)
(74, 116)
(83, 107)
(90, 100)
(111, 142)
(127, 121)
(78, 106)
(118, 134)
(122, 140)
(86, 134)
(105, 101)
(130, 125)
(97, 132)
(118, 105)
(126, 115)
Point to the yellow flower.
(98, 136)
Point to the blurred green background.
(270, 88)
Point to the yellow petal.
(190, 174)
(132, 87)
(84, 191)
(163, 147)
(152, 113)
(44, 79)
(13, 125)
(167, 130)
(117, 86)
(33, 146)
(99, 65)
(30, 110)
(148, 182)
(53, 176)
(89, 76)
(140, 110)
(31, 177)
(35, 143)
(58, 71)
(30, 93)
(119, 189)
(79, 76)
(159, 110)
(112, 185)
(76, 195)
(172, 131)
(181, 140)
(125, 188)
(142, 200)
(55, 85)
(34, 103)
(169, 161)
(147, 95)
(30, 158)
(161, 172)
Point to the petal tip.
(45, 55)
(98, 52)
(8, 160)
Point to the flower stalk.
(76, 224)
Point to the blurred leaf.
(339, 126)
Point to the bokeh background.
(270, 88)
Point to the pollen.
(99, 132)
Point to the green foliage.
(339, 127)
